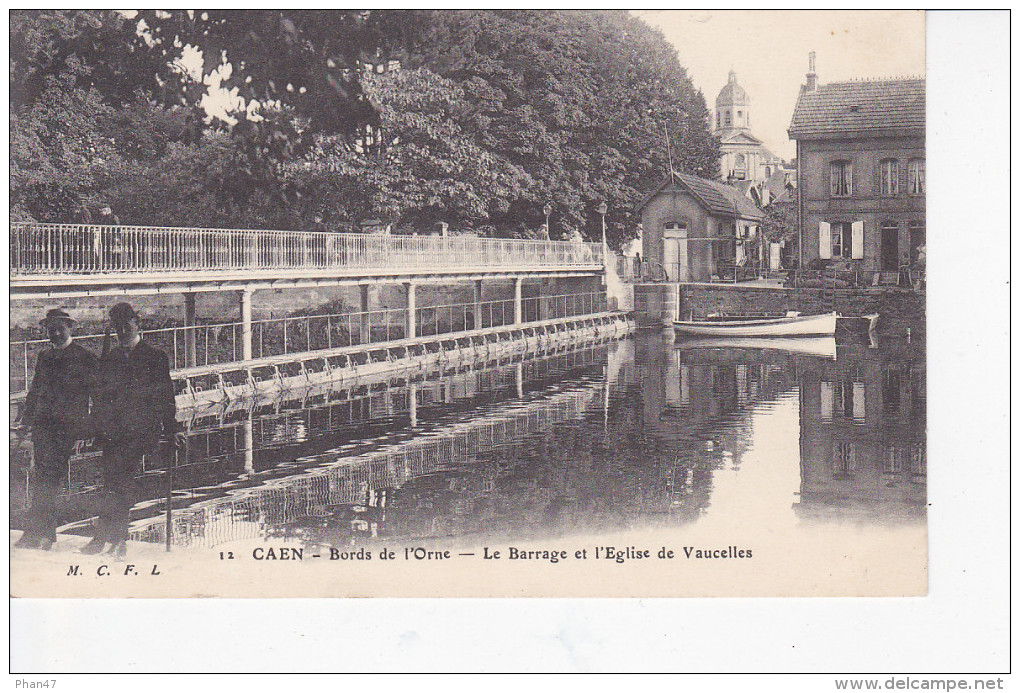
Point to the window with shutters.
(841, 174)
(843, 399)
(842, 240)
(889, 178)
(915, 177)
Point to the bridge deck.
(63, 258)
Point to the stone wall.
(896, 306)
(655, 304)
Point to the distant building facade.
(861, 172)
(696, 229)
(743, 157)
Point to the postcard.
(468, 304)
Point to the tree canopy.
(472, 118)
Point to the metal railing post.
(246, 295)
(411, 328)
(518, 290)
(190, 346)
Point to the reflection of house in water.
(862, 439)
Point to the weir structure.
(62, 261)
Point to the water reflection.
(638, 433)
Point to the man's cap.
(122, 312)
(57, 315)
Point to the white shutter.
(826, 397)
(824, 240)
(857, 242)
(859, 415)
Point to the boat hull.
(819, 347)
(798, 326)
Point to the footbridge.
(53, 262)
(57, 260)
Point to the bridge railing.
(220, 342)
(73, 249)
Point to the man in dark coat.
(133, 408)
(56, 412)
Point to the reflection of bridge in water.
(351, 478)
(231, 441)
(606, 437)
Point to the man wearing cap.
(56, 412)
(133, 407)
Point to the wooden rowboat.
(819, 347)
(792, 325)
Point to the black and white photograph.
(468, 303)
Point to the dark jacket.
(59, 395)
(134, 395)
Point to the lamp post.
(602, 209)
(548, 210)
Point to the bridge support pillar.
(478, 305)
(366, 319)
(412, 401)
(190, 334)
(412, 309)
(519, 379)
(246, 324)
(249, 445)
(518, 300)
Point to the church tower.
(743, 157)
(732, 107)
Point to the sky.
(769, 52)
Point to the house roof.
(859, 108)
(786, 197)
(776, 183)
(718, 198)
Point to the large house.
(695, 229)
(861, 182)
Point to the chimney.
(812, 78)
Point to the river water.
(640, 433)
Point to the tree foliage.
(491, 115)
(582, 101)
